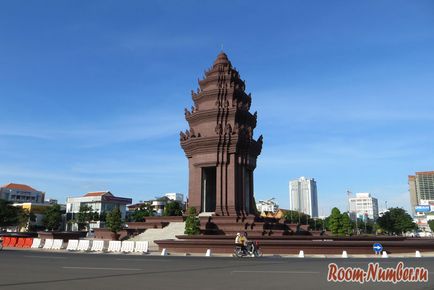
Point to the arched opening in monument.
(208, 189)
(247, 188)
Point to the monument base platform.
(252, 225)
(294, 244)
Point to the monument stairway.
(170, 231)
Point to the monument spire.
(219, 143)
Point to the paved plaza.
(48, 270)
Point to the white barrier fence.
(114, 246)
(36, 244)
(57, 244)
(127, 246)
(72, 245)
(97, 246)
(48, 244)
(83, 245)
(141, 247)
(94, 246)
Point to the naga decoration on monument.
(219, 144)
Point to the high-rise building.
(421, 187)
(363, 205)
(303, 196)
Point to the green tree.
(9, 215)
(316, 224)
(396, 221)
(173, 208)
(431, 225)
(366, 226)
(335, 221)
(102, 216)
(326, 223)
(52, 217)
(85, 216)
(114, 220)
(24, 219)
(192, 223)
(346, 225)
(295, 217)
(139, 214)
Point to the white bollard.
(208, 253)
(301, 254)
(344, 254)
(164, 252)
(384, 255)
(418, 254)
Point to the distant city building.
(51, 201)
(303, 196)
(20, 193)
(100, 201)
(267, 206)
(175, 196)
(421, 187)
(363, 205)
(424, 213)
(157, 205)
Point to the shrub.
(192, 223)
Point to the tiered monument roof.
(221, 111)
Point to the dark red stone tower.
(219, 145)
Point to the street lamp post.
(366, 220)
(357, 227)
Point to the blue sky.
(92, 93)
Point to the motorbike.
(251, 250)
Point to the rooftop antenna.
(221, 47)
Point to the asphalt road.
(47, 270)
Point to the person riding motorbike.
(248, 245)
(240, 241)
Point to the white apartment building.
(303, 196)
(264, 206)
(100, 201)
(363, 205)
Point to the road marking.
(144, 260)
(45, 257)
(363, 263)
(278, 272)
(97, 268)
